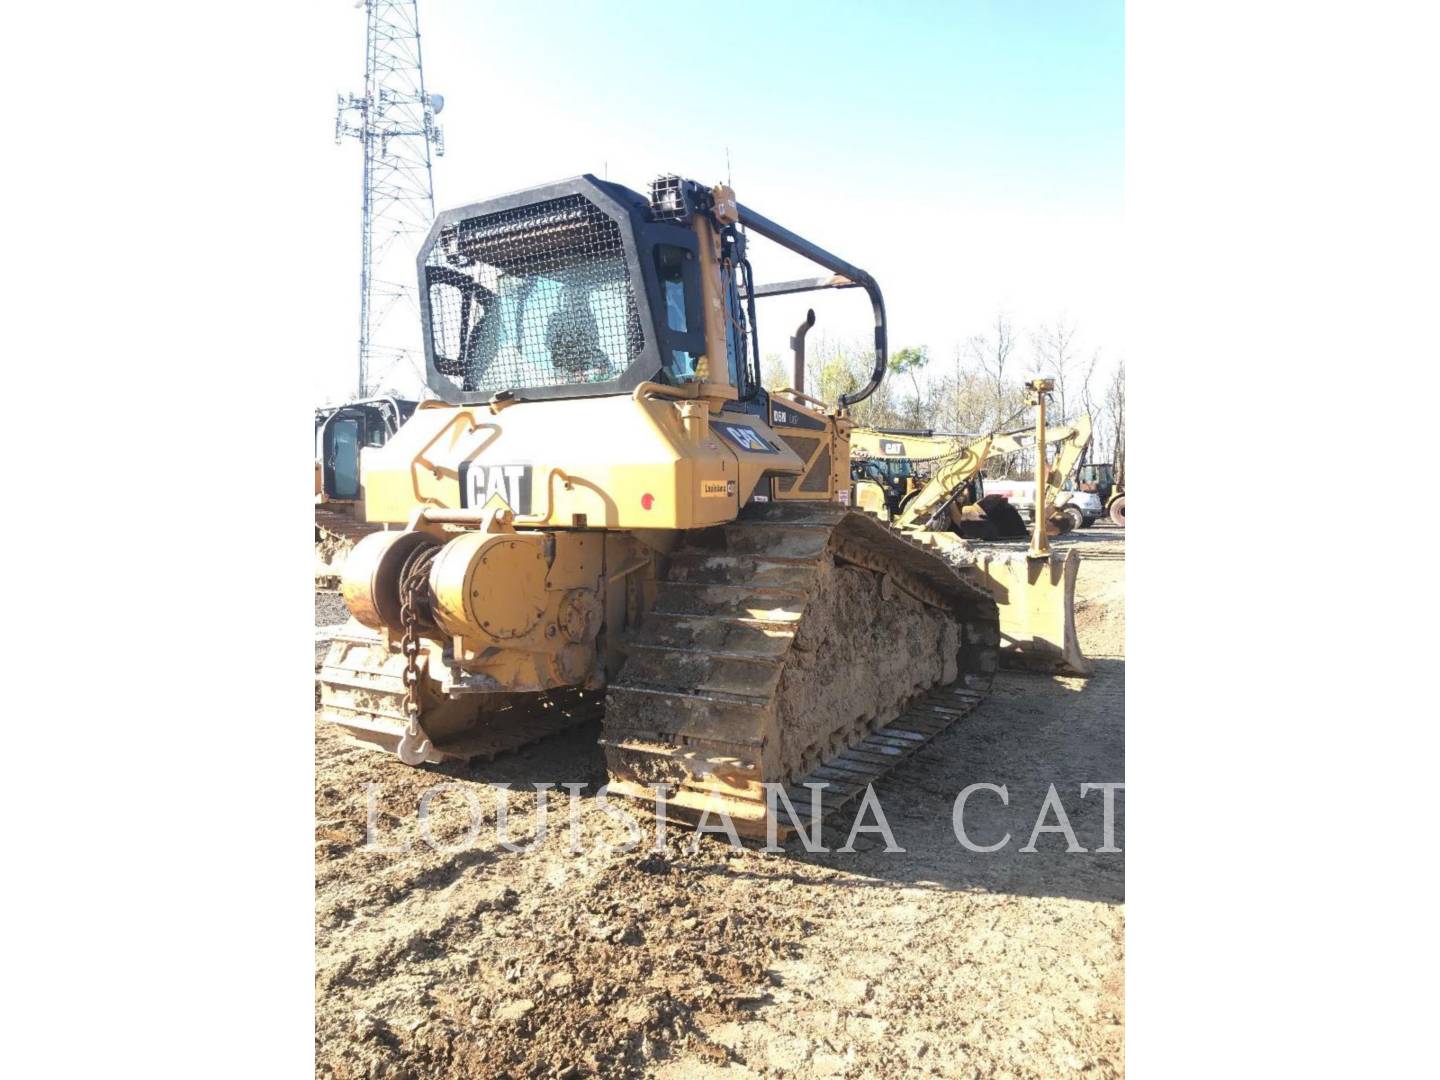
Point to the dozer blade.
(1037, 610)
(801, 643)
(1036, 598)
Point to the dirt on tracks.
(462, 958)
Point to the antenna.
(394, 119)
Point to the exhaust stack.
(797, 344)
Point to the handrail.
(436, 470)
(799, 396)
(816, 254)
(688, 392)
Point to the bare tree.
(1115, 410)
(960, 401)
(992, 356)
(1055, 358)
(773, 372)
(836, 367)
(1091, 408)
(1087, 386)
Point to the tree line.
(978, 389)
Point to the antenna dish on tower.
(437, 103)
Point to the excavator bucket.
(1036, 598)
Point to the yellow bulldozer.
(606, 514)
(342, 434)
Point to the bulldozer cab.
(585, 288)
(571, 290)
(341, 432)
(635, 318)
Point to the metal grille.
(536, 296)
(804, 447)
(818, 478)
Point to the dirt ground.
(479, 961)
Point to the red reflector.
(647, 500)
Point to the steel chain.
(414, 747)
(415, 577)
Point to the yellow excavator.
(923, 480)
(889, 466)
(606, 514)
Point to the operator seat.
(573, 337)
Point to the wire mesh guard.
(536, 296)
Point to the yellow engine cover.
(622, 462)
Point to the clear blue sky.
(970, 155)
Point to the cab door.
(340, 443)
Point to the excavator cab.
(895, 480)
(1098, 478)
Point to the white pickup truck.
(1084, 507)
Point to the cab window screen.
(669, 268)
(537, 296)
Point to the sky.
(968, 155)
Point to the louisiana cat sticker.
(717, 489)
(486, 487)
